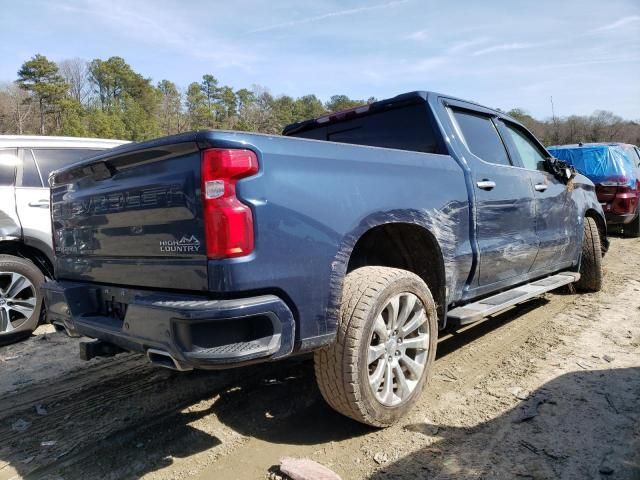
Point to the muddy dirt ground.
(550, 389)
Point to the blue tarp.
(598, 162)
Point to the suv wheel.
(632, 229)
(20, 298)
(385, 346)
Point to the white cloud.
(147, 24)
(428, 64)
(505, 47)
(621, 22)
(317, 18)
(420, 35)
(465, 44)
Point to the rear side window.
(50, 159)
(481, 137)
(8, 163)
(404, 128)
(29, 177)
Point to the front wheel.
(591, 262)
(20, 298)
(384, 349)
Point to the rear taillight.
(606, 193)
(228, 222)
(626, 201)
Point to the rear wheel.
(385, 346)
(591, 263)
(632, 230)
(20, 298)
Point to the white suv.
(26, 255)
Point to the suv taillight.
(626, 201)
(228, 223)
(606, 193)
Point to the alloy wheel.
(398, 349)
(17, 301)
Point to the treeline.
(108, 99)
(601, 126)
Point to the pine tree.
(40, 77)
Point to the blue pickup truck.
(356, 236)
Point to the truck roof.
(399, 100)
(42, 141)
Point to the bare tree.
(170, 113)
(76, 73)
(16, 112)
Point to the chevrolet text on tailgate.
(357, 236)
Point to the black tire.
(632, 229)
(591, 262)
(343, 370)
(25, 326)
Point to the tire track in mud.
(100, 413)
(89, 406)
(51, 390)
(106, 406)
(482, 347)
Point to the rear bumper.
(194, 332)
(614, 219)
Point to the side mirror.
(569, 173)
(560, 169)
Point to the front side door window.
(530, 155)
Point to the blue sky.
(586, 54)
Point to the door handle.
(40, 204)
(540, 187)
(486, 184)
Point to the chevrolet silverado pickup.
(356, 236)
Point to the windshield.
(632, 153)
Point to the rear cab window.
(50, 159)
(405, 127)
(481, 136)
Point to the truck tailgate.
(132, 217)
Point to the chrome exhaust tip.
(163, 359)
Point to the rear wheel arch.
(601, 223)
(404, 245)
(27, 252)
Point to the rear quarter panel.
(312, 201)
